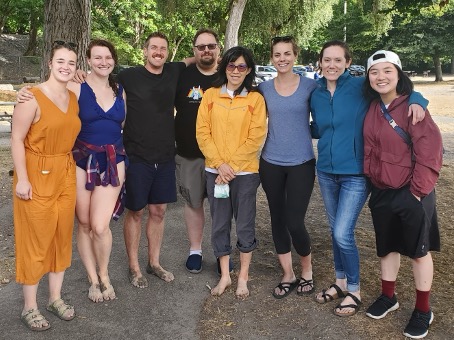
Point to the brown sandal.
(355, 306)
(325, 297)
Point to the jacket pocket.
(395, 169)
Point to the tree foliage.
(426, 37)
(369, 24)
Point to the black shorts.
(403, 224)
(150, 184)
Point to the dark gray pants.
(242, 206)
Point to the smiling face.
(207, 58)
(236, 77)
(283, 57)
(156, 53)
(63, 64)
(333, 63)
(101, 60)
(383, 78)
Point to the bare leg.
(288, 276)
(55, 284)
(242, 290)
(225, 280)
(195, 219)
(132, 229)
(30, 292)
(102, 204)
(30, 303)
(155, 232)
(390, 265)
(84, 236)
(306, 272)
(423, 272)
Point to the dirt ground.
(263, 317)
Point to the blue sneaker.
(219, 266)
(194, 263)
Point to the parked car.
(266, 71)
(357, 70)
(303, 71)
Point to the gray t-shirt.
(288, 141)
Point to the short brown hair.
(285, 39)
(156, 34)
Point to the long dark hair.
(404, 86)
(231, 55)
(104, 43)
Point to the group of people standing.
(220, 128)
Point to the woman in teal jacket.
(338, 109)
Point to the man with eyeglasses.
(190, 162)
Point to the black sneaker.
(419, 323)
(219, 265)
(194, 263)
(382, 306)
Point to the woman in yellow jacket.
(231, 127)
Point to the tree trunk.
(32, 36)
(437, 64)
(2, 23)
(452, 65)
(234, 22)
(67, 20)
(175, 49)
(6, 7)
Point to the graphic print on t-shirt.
(196, 93)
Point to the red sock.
(422, 301)
(388, 287)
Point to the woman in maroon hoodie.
(403, 162)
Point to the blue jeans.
(344, 197)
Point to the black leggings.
(288, 190)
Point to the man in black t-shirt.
(149, 139)
(190, 163)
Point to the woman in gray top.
(287, 165)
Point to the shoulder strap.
(394, 125)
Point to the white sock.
(198, 252)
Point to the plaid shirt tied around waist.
(83, 150)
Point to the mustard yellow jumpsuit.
(43, 226)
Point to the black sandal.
(355, 307)
(328, 297)
(287, 287)
(303, 283)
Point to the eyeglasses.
(67, 44)
(286, 39)
(240, 67)
(202, 47)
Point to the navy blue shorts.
(150, 184)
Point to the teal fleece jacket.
(337, 121)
